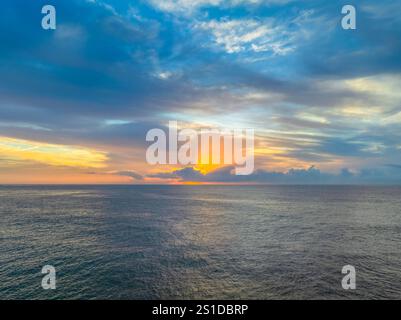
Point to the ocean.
(200, 242)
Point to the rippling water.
(200, 242)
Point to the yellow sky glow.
(51, 154)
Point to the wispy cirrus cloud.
(263, 35)
(236, 36)
(189, 6)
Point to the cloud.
(187, 7)
(312, 175)
(51, 154)
(135, 176)
(114, 69)
(186, 174)
(132, 174)
(236, 36)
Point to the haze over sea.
(200, 242)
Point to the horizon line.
(190, 184)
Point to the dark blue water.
(221, 242)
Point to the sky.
(76, 102)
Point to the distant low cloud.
(132, 174)
(292, 176)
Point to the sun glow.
(51, 154)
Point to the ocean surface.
(200, 242)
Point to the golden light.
(51, 154)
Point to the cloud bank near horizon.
(387, 175)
